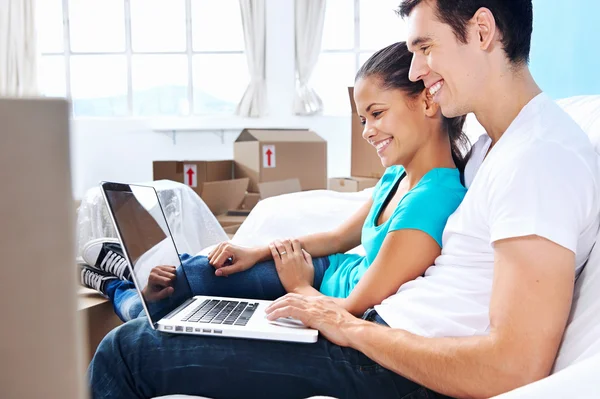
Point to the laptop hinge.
(179, 308)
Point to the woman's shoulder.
(394, 170)
(390, 175)
(441, 182)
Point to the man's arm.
(531, 299)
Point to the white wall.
(123, 149)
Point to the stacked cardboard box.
(365, 167)
(269, 155)
(266, 162)
(351, 184)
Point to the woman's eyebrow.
(369, 107)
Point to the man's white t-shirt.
(541, 178)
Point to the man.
(488, 317)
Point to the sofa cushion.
(582, 336)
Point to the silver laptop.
(147, 243)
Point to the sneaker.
(95, 279)
(105, 254)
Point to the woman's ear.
(430, 107)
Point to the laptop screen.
(149, 248)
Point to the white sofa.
(576, 372)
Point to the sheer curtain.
(310, 18)
(18, 52)
(253, 102)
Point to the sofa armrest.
(577, 381)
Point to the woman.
(400, 227)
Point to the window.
(353, 31)
(143, 57)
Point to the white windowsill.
(211, 124)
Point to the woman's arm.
(340, 240)
(404, 256)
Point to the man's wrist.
(305, 290)
(358, 332)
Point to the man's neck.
(504, 99)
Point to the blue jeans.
(135, 361)
(258, 282)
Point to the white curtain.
(253, 102)
(18, 51)
(310, 18)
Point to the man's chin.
(451, 112)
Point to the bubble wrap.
(192, 224)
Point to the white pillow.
(298, 214)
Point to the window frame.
(189, 52)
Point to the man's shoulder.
(551, 136)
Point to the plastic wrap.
(192, 224)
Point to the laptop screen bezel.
(105, 187)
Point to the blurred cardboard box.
(364, 159)
(250, 201)
(193, 173)
(211, 180)
(222, 196)
(275, 188)
(351, 184)
(99, 318)
(233, 218)
(267, 155)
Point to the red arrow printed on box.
(268, 157)
(269, 153)
(190, 174)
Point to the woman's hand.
(160, 283)
(229, 258)
(294, 265)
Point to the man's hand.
(294, 265)
(321, 313)
(160, 283)
(228, 258)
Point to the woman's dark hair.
(391, 65)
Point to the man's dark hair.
(514, 19)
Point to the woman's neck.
(437, 154)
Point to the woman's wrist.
(306, 290)
(263, 253)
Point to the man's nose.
(418, 68)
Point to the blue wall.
(565, 47)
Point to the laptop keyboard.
(216, 311)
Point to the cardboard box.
(266, 155)
(99, 317)
(211, 180)
(274, 188)
(232, 229)
(222, 196)
(351, 184)
(250, 201)
(364, 159)
(193, 173)
(228, 220)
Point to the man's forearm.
(459, 367)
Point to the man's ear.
(430, 108)
(485, 28)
